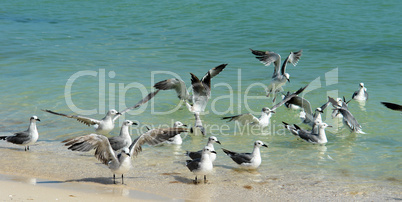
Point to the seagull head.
(178, 124)
(126, 151)
(208, 150)
(259, 143)
(213, 139)
(113, 112)
(129, 123)
(267, 110)
(34, 118)
(361, 85)
(324, 125)
(319, 110)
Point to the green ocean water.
(117, 50)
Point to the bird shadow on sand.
(183, 180)
(99, 180)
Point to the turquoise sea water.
(118, 50)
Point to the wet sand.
(49, 171)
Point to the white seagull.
(105, 125)
(124, 138)
(247, 160)
(203, 165)
(310, 136)
(177, 140)
(25, 138)
(266, 113)
(120, 163)
(279, 77)
(360, 94)
(210, 143)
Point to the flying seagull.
(266, 112)
(25, 138)
(203, 165)
(105, 125)
(247, 160)
(279, 77)
(120, 163)
(201, 88)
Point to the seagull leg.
(122, 181)
(25, 148)
(205, 179)
(196, 180)
(114, 179)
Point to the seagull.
(266, 113)
(247, 160)
(309, 136)
(203, 165)
(307, 115)
(119, 163)
(360, 94)
(105, 125)
(392, 106)
(177, 140)
(25, 138)
(348, 118)
(279, 77)
(212, 156)
(201, 88)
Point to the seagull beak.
(329, 126)
(118, 113)
(264, 145)
(289, 80)
(213, 152)
(218, 142)
(134, 123)
(272, 111)
(184, 125)
(38, 119)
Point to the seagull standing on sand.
(210, 144)
(247, 160)
(25, 138)
(279, 77)
(203, 165)
(360, 94)
(266, 113)
(309, 136)
(120, 163)
(105, 125)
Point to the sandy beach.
(76, 176)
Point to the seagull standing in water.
(266, 113)
(203, 165)
(25, 138)
(279, 77)
(120, 163)
(177, 140)
(247, 160)
(105, 125)
(309, 136)
(361, 94)
(210, 144)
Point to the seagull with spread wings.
(120, 163)
(309, 136)
(347, 117)
(105, 125)
(263, 121)
(279, 77)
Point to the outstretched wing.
(176, 84)
(243, 118)
(154, 137)
(85, 120)
(103, 151)
(215, 71)
(392, 106)
(292, 58)
(350, 120)
(141, 102)
(288, 98)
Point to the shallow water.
(118, 50)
